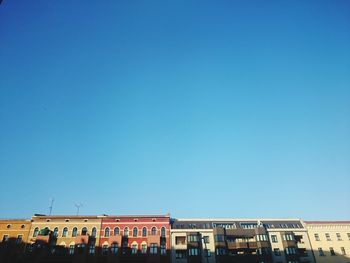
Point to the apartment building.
(64, 236)
(136, 238)
(330, 240)
(289, 241)
(13, 238)
(192, 241)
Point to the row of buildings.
(159, 238)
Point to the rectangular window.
(153, 248)
(180, 254)
(276, 251)
(219, 238)
(320, 252)
(291, 251)
(261, 238)
(5, 238)
(288, 237)
(19, 239)
(192, 238)
(339, 237)
(193, 252)
(162, 249)
(220, 251)
(105, 249)
(332, 251)
(207, 253)
(206, 239)
(317, 237)
(328, 237)
(274, 238)
(180, 240)
(343, 251)
(92, 249)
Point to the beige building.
(66, 232)
(192, 241)
(330, 240)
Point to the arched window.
(116, 231)
(36, 231)
(114, 248)
(134, 232)
(144, 232)
(84, 231)
(107, 232)
(64, 232)
(55, 232)
(93, 232)
(126, 232)
(74, 232)
(154, 231)
(162, 231)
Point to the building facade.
(136, 238)
(13, 237)
(330, 240)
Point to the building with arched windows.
(136, 238)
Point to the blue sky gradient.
(198, 108)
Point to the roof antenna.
(51, 205)
(78, 205)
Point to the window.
(134, 232)
(339, 237)
(153, 248)
(134, 249)
(343, 251)
(107, 232)
(93, 231)
(105, 249)
(143, 248)
(19, 239)
(74, 232)
(276, 251)
(154, 231)
(261, 238)
(71, 249)
(207, 253)
(114, 248)
(163, 248)
(348, 235)
(116, 231)
(92, 249)
(317, 237)
(180, 254)
(192, 238)
(220, 251)
(55, 232)
(219, 238)
(332, 251)
(5, 238)
(288, 237)
(162, 232)
(206, 239)
(180, 240)
(36, 232)
(193, 252)
(274, 238)
(84, 231)
(126, 232)
(320, 252)
(328, 237)
(144, 232)
(291, 251)
(64, 232)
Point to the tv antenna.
(78, 205)
(51, 205)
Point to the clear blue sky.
(198, 108)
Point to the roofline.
(237, 219)
(325, 222)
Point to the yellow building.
(14, 230)
(66, 232)
(330, 240)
